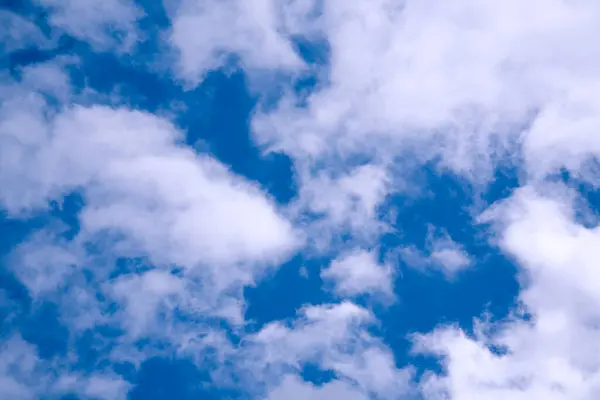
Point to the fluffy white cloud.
(142, 296)
(565, 134)
(334, 337)
(342, 202)
(554, 354)
(465, 84)
(454, 72)
(462, 84)
(24, 376)
(137, 180)
(468, 84)
(145, 195)
(359, 272)
(206, 33)
(16, 369)
(294, 389)
(44, 263)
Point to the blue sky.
(299, 199)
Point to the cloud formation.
(165, 238)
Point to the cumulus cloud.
(552, 354)
(144, 195)
(44, 263)
(465, 85)
(129, 163)
(460, 86)
(422, 68)
(342, 202)
(359, 272)
(336, 338)
(142, 295)
(468, 85)
(205, 34)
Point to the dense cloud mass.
(300, 199)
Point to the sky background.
(299, 199)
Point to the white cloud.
(293, 388)
(145, 195)
(565, 134)
(174, 205)
(342, 202)
(359, 272)
(100, 386)
(335, 337)
(16, 369)
(400, 69)
(317, 328)
(440, 253)
(206, 33)
(24, 376)
(555, 354)
(44, 263)
(142, 296)
(464, 83)
(451, 259)
(49, 78)
(19, 33)
(468, 84)
(106, 25)
(139, 182)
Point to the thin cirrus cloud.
(155, 259)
